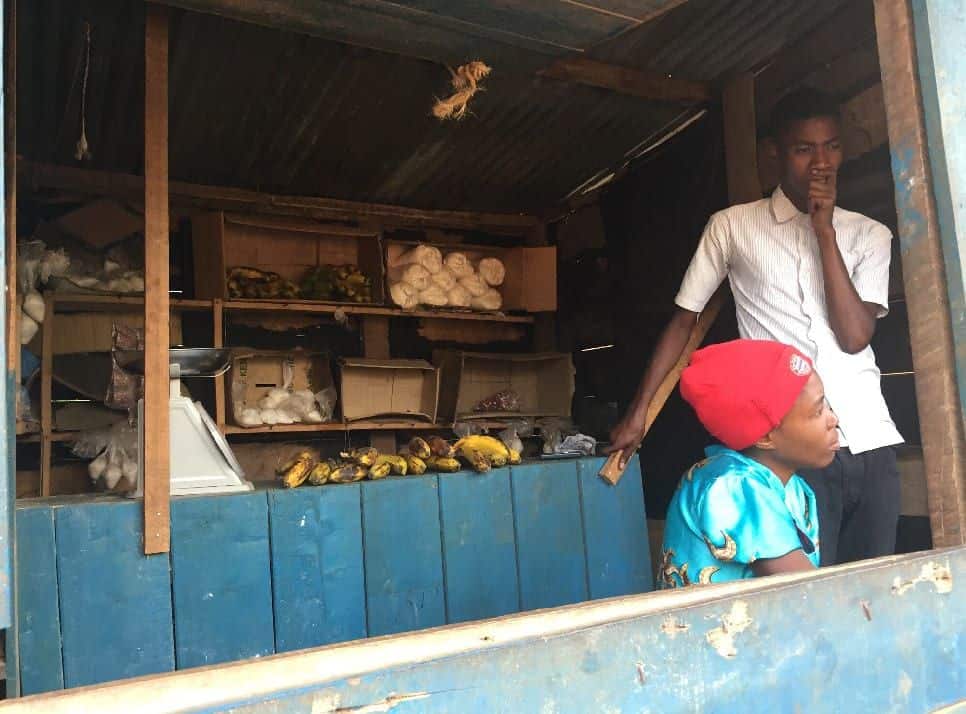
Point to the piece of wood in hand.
(612, 470)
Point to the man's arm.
(628, 433)
(851, 319)
(793, 562)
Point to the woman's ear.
(767, 442)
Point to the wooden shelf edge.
(231, 429)
(375, 310)
(81, 301)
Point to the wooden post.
(218, 340)
(741, 163)
(157, 455)
(924, 274)
(46, 394)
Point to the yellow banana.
(515, 457)
(320, 472)
(397, 464)
(443, 464)
(348, 473)
(379, 470)
(416, 465)
(294, 473)
(364, 456)
(477, 460)
(442, 448)
(419, 448)
(486, 445)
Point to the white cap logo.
(799, 366)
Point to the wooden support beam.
(626, 80)
(157, 455)
(131, 187)
(924, 274)
(46, 393)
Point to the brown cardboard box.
(77, 332)
(544, 382)
(394, 387)
(101, 223)
(254, 374)
(287, 246)
(531, 272)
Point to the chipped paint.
(722, 639)
(866, 610)
(905, 685)
(641, 673)
(383, 705)
(673, 626)
(939, 575)
(325, 702)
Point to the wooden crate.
(287, 246)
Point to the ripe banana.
(476, 459)
(443, 464)
(416, 465)
(515, 457)
(486, 445)
(294, 473)
(363, 456)
(348, 473)
(419, 448)
(379, 470)
(397, 464)
(441, 448)
(321, 472)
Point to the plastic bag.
(467, 428)
(327, 400)
(553, 430)
(505, 401)
(29, 256)
(115, 455)
(511, 436)
(581, 443)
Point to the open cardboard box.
(544, 383)
(531, 272)
(287, 246)
(385, 388)
(255, 374)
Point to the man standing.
(816, 277)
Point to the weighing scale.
(202, 462)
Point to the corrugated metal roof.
(259, 108)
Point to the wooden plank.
(38, 616)
(375, 337)
(932, 338)
(627, 80)
(318, 579)
(157, 455)
(550, 540)
(662, 652)
(218, 340)
(46, 394)
(315, 307)
(479, 545)
(403, 557)
(221, 579)
(390, 425)
(131, 187)
(104, 577)
(615, 531)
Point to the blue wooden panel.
(38, 616)
(404, 565)
(615, 531)
(115, 602)
(318, 579)
(550, 539)
(479, 548)
(221, 577)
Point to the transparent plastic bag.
(504, 401)
(327, 400)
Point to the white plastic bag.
(492, 271)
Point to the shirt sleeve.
(743, 520)
(709, 266)
(871, 274)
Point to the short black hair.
(801, 104)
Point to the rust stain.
(866, 610)
(672, 626)
(722, 638)
(939, 575)
(384, 705)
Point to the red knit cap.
(741, 390)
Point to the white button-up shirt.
(769, 253)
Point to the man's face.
(804, 146)
(808, 436)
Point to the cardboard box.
(287, 246)
(544, 383)
(77, 332)
(531, 272)
(254, 374)
(384, 388)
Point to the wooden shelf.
(374, 310)
(35, 436)
(413, 425)
(80, 301)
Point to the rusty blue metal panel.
(940, 28)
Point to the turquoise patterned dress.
(728, 512)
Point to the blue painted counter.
(273, 571)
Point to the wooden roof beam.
(626, 80)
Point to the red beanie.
(741, 390)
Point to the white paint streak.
(905, 685)
(383, 705)
(672, 627)
(939, 575)
(354, 681)
(732, 623)
(325, 702)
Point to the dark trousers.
(858, 505)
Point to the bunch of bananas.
(482, 453)
(254, 283)
(434, 454)
(336, 282)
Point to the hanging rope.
(82, 150)
(465, 80)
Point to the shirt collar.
(782, 207)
